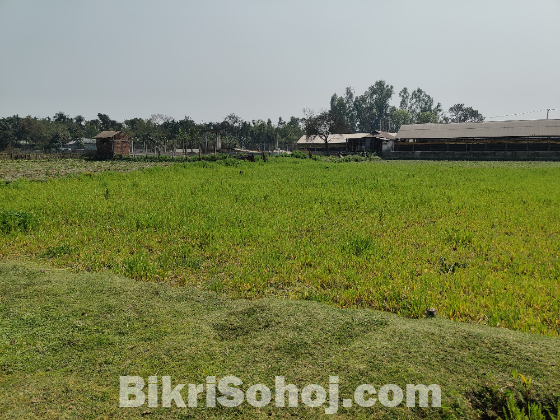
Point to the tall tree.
(340, 112)
(459, 113)
(399, 117)
(351, 118)
(107, 124)
(421, 102)
(426, 117)
(405, 99)
(372, 107)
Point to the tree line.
(348, 113)
(158, 131)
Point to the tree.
(426, 117)
(322, 125)
(419, 102)
(399, 117)
(343, 107)
(405, 99)
(291, 131)
(107, 124)
(339, 110)
(459, 113)
(61, 117)
(366, 114)
(372, 107)
(350, 109)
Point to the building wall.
(122, 147)
(107, 148)
(496, 155)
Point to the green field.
(478, 241)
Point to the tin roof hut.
(111, 143)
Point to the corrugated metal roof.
(386, 135)
(523, 128)
(106, 134)
(333, 138)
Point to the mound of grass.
(65, 339)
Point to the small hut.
(111, 143)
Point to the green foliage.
(16, 221)
(138, 266)
(58, 251)
(473, 239)
(158, 132)
(359, 245)
(459, 113)
(513, 412)
(363, 157)
(400, 117)
(298, 154)
(426, 117)
(522, 402)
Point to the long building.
(347, 143)
(493, 140)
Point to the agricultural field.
(480, 242)
(10, 170)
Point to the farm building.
(493, 140)
(111, 143)
(347, 143)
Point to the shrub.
(299, 154)
(11, 220)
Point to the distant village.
(494, 140)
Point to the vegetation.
(65, 339)
(324, 124)
(159, 131)
(477, 241)
(372, 110)
(347, 114)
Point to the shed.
(351, 142)
(522, 135)
(111, 143)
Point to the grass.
(478, 241)
(65, 338)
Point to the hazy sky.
(265, 59)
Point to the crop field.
(478, 241)
(10, 170)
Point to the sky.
(265, 59)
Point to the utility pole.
(548, 109)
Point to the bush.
(299, 154)
(11, 220)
